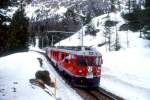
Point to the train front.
(88, 68)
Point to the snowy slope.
(128, 73)
(17, 69)
(15, 72)
(125, 72)
(43, 9)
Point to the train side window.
(82, 62)
(98, 60)
(66, 60)
(62, 56)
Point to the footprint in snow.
(14, 89)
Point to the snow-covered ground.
(125, 72)
(17, 69)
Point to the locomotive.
(81, 64)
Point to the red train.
(81, 64)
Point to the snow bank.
(15, 72)
(125, 72)
(17, 69)
(128, 72)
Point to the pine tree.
(147, 3)
(3, 28)
(146, 20)
(112, 5)
(3, 39)
(18, 38)
(139, 19)
(88, 18)
(117, 45)
(4, 3)
(107, 34)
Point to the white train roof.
(77, 50)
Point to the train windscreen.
(88, 61)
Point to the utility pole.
(82, 33)
(52, 41)
(81, 18)
(127, 37)
(42, 41)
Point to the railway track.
(96, 94)
(91, 94)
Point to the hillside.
(47, 8)
(127, 68)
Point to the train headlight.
(90, 69)
(80, 71)
(98, 71)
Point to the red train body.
(82, 64)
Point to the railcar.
(81, 64)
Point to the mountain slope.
(46, 8)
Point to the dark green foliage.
(123, 27)
(131, 16)
(13, 37)
(70, 13)
(110, 23)
(69, 23)
(4, 3)
(112, 45)
(28, 1)
(3, 28)
(18, 34)
(91, 30)
(3, 39)
(145, 17)
(133, 21)
(147, 4)
(146, 20)
(107, 35)
(134, 18)
(101, 44)
(146, 32)
(95, 7)
(139, 19)
(117, 45)
(134, 26)
(88, 18)
(4, 18)
(112, 5)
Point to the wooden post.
(55, 88)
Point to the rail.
(91, 94)
(96, 94)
